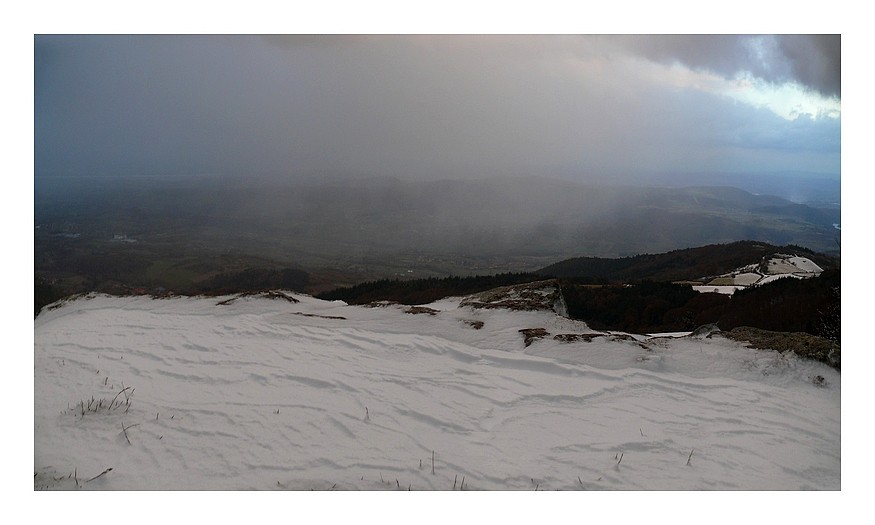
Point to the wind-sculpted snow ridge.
(183, 393)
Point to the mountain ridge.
(675, 265)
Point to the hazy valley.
(96, 234)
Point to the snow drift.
(259, 393)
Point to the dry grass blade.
(125, 431)
(101, 474)
(119, 393)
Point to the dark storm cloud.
(815, 61)
(811, 60)
(421, 106)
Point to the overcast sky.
(580, 107)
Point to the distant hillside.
(685, 264)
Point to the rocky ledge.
(801, 343)
(539, 295)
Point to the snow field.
(255, 395)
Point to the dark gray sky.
(580, 107)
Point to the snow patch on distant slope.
(772, 268)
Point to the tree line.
(786, 305)
(423, 291)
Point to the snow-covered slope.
(261, 393)
(777, 266)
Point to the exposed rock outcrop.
(530, 335)
(539, 295)
(269, 294)
(802, 344)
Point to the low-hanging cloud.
(418, 106)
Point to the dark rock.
(571, 338)
(532, 334)
(421, 310)
(801, 343)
